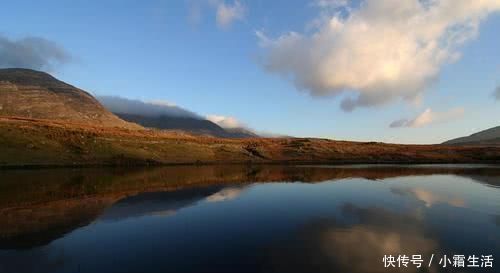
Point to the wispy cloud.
(228, 13)
(32, 52)
(162, 103)
(378, 52)
(195, 11)
(496, 93)
(330, 3)
(428, 117)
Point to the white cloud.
(229, 123)
(225, 122)
(428, 117)
(228, 13)
(380, 51)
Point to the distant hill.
(187, 124)
(192, 125)
(34, 94)
(487, 137)
(240, 132)
(168, 116)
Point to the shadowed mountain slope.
(193, 125)
(164, 115)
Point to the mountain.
(187, 124)
(487, 137)
(167, 116)
(239, 132)
(33, 94)
(194, 125)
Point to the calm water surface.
(247, 219)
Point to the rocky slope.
(33, 94)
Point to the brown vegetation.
(38, 142)
(34, 94)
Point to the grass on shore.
(29, 142)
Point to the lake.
(360, 218)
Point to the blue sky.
(184, 53)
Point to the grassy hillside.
(34, 94)
(28, 142)
(489, 137)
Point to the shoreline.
(236, 163)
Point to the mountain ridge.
(187, 124)
(35, 94)
(167, 116)
(489, 136)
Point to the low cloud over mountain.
(166, 115)
(32, 52)
(225, 122)
(148, 109)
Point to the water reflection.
(356, 245)
(429, 198)
(156, 203)
(244, 218)
(497, 220)
(225, 194)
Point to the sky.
(415, 71)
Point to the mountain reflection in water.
(245, 218)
